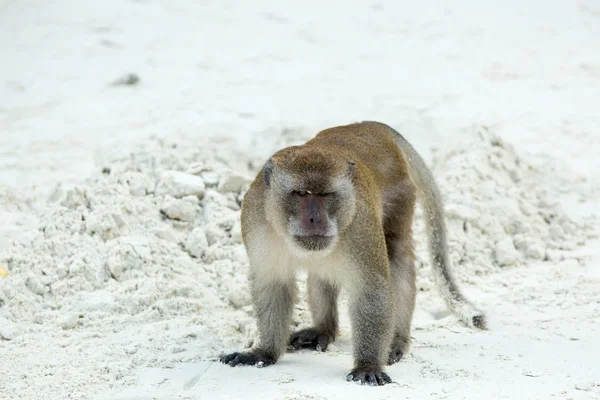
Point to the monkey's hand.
(247, 358)
(373, 376)
(310, 339)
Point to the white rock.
(215, 199)
(521, 242)
(531, 247)
(491, 226)
(178, 209)
(214, 234)
(536, 251)
(76, 266)
(236, 231)
(214, 253)
(33, 283)
(105, 222)
(116, 267)
(191, 199)
(179, 184)
(215, 208)
(462, 212)
(197, 168)
(233, 182)
(76, 197)
(506, 253)
(211, 178)
(137, 188)
(196, 243)
(516, 227)
(69, 320)
(233, 205)
(166, 234)
(127, 253)
(139, 183)
(7, 329)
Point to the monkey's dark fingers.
(383, 378)
(259, 360)
(372, 378)
(323, 343)
(231, 359)
(395, 356)
(309, 339)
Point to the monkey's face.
(311, 216)
(311, 200)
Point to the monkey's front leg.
(371, 317)
(273, 304)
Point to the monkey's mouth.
(313, 242)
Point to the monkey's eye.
(301, 193)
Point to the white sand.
(129, 283)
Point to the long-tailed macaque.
(341, 206)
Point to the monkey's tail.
(433, 208)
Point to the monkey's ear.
(267, 171)
(350, 171)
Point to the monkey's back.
(374, 146)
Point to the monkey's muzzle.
(314, 242)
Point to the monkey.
(341, 206)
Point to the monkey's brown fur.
(363, 180)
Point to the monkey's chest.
(333, 268)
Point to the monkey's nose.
(315, 218)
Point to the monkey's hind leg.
(402, 265)
(401, 256)
(322, 299)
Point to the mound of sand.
(143, 265)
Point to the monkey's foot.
(310, 339)
(395, 356)
(257, 359)
(372, 376)
(398, 348)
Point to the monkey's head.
(310, 197)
